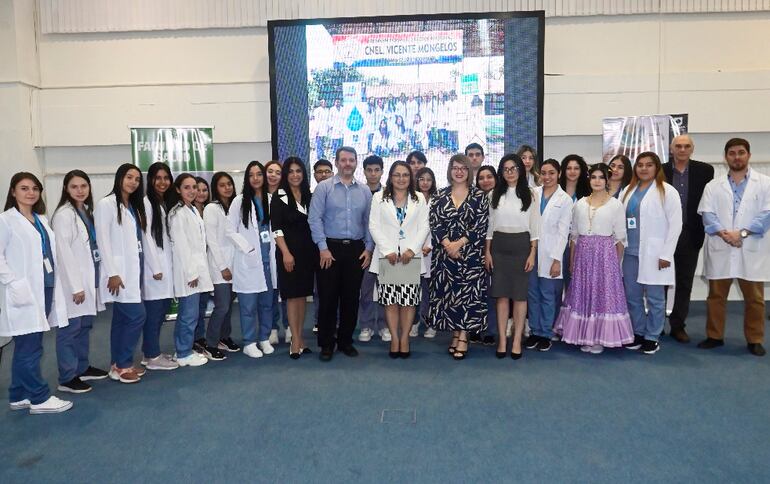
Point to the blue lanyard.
(543, 202)
(41, 231)
(193, 210)
(88, 223)
(636, 199)
(258, 205)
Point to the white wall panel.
(72, 16)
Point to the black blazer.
(699, 175)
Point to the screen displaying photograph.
(390, 87)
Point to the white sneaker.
(555, 337)
(430, 333)
(266, 347)
(252, 351)
(415, 331)
(385, 335)
(287, 336)
(52, 405)
(509, 328)
(365, 335)
(586, 348)
(596, 349)
(194, 359)
(527, 330)
(273, 339)
(20, 405)
(160, 362)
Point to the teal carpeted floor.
(682, 415)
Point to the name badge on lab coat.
(139, 246)
(95, 255)
(47, 265)
(264, 236)
(631, 222)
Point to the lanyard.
(543, 202)
(636, 199)
(41, 230)
(88, 223)
(136, 223)
(258, 206)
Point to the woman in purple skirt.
(594, 314)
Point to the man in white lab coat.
(736, 216)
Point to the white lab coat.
(554, 230)
(22, 292)
(188, 242)
(157, 260)
(75, 262)
(384, 227)
(221, 250)
(248, 275)
(752, 260)
(660, 223)
(118, 249)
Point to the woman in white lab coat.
(78, 255)
(31, 295)
(120, 227)
(158, 283)
(398, 222)
(546, 282)
(220, 256)
(254, 272)
(653, 224)
(190, 267)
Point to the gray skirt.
(509, 254)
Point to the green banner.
(182, 149)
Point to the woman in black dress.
(297, 257)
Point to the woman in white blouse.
(398, 222)
(511, 246)
(594, 314)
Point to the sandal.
(453, 347)
(460, 354)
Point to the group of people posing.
(582, 254)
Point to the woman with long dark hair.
(528, 155)
(191, 269)
(486, 180)
(201, 200)
(594, 313)
(73, 224)
(158, 282)
(573, 177)
(31, 297)
(511, 247)
(220, 256)
(254, 269)
(398, 222)
(297, 258)
(120, 228)
(620, 174)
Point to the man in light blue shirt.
(339, 223)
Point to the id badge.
(95, 255)
(264, 236)
(47, 265)
(139, 246)
(631, 222)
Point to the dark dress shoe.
(306, 351)
(500, 354)
(404, 354)
(349, 350)
(711, 343)
(756, 349)
(326, 353)
(516, 356)
(294, 356)
(394, 354)
(680, 335)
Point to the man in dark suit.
(689, 177)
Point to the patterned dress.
(458, 288)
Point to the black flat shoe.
(516, 356)
(394, 354)
(404, 354)
(756, 349)
(306, 351)
(500, 354)
(294, 356)
(711, 343)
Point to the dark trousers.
(685, 262)
(339, 287)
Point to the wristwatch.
(744, 233)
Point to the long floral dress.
(458, 288)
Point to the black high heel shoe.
(500, 354)
(460, 354)
(394, 354)
(516, 356)
(404, 354)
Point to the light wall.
(73, 96)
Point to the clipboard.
(400, 273)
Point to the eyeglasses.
(323, 172)
(511, 169)
(459, 168)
